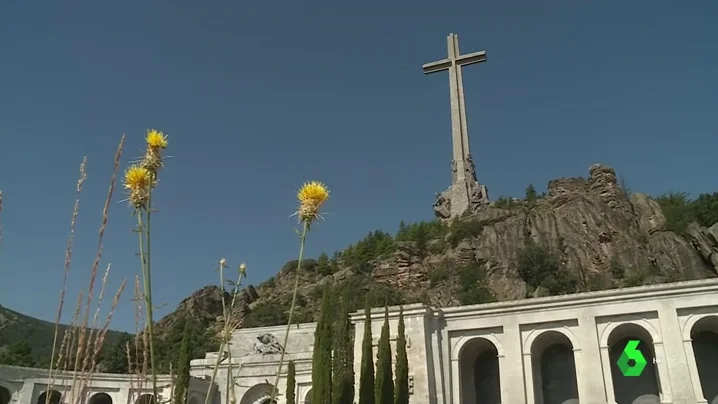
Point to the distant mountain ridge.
(15, 327)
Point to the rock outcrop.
(591, 224)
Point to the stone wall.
(27, 385)
(581, 334)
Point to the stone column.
(663, 376)
(529, 378)
(504, 373)
(693, 371)
(591, 385)
(607, 376)
(675, 361)
(455, 381)
(512, 377)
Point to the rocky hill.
(582, 234)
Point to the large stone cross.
(465, 192)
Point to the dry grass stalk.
(77, 342)
(68, 260)
(99, 341)
(230, 324)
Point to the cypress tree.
(343, 366)
(291, 383)
(366, 377)
(401, 390)
(183, 365)
(384, 380)
(322, 356)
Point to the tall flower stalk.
(140, 180)
(227, 329)
(311, 196)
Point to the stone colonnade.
(19, 385)
(565, 349)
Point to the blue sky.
(258, 97)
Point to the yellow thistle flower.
(137, 177)
(156, 139)
(138, 180)
(311, 196)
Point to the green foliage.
(343, 359)
(324, 265)
(384, 386)
(366, 375)
(114, 356)
(308, 265)
(538, 266)
(375, 245)
(182, 366)
(531, 195)
(473, 286)
(276, 312)
(291, 383)
(676, 209)
(617, 270)
(680, 210)
(636, 277)
(401, 388)
(598, 281)
(17, 354)
(356, 289)
(440, 274)
(422, 234)
(460, 230)
(322, 355)
(705, 209)
(199, 342)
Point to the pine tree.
(384, 380)
(401, 390)
(180, 391)
(322, 356)
(291, 383)
(343, 366)
(366, 377)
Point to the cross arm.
(471, 58)
(437, 66)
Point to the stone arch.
(645, 388)
(553, 367)
(55, 397)
(641, 323)
(100, 398)
(461, 342)
(145, 399)
(308, 396)
(5, 395)
(704, 338)
(258, 394)
(479, 374)
(538, 332)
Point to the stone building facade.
(561, 349)
(19, 385)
